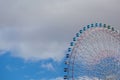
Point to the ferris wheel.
(94, 54)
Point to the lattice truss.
(95, 53)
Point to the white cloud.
(9, 68)
(38, 30)
(80, 78)
(30, 45)
(88, 78)
(58, 78)
(48, 66)
(32, 79)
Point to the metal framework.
(94, 53)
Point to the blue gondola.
(67, 55)
(112, 29)
(72, 44)
(92, 25)
(96, 24)
(66, 62)
(108, 26)
(100, 24)
(65, 69)
(69, 49)
(88, 26)
(65, 77)
(80, 31)
(104, 25)
(74, 39)
(84, 28)
(77, 34)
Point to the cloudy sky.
(34, 34)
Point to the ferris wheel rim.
(72, 44)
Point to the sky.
(35, 34)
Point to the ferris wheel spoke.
(95, 53)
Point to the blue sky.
(17, 69)
(35, 34)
